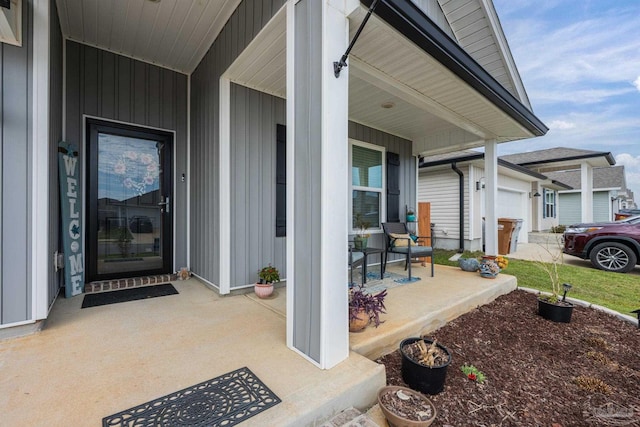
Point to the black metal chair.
(399, 241)
(356, 259)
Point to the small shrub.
(593, 384)
(597, 342)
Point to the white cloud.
(628, 160)
(636, 83)
(561, 125)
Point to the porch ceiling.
(174, 34)
(432, 106)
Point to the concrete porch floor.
(90, 363)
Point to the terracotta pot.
(357, 325)
(396, 420)
(263, 290)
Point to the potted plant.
(489, 268)
(267, 277)
(411, 215)
(405, 407)
(365, 308)
(424, 364)
(551, 307)
(361, 238)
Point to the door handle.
(166, 205)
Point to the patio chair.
(399, 241)
(356, 259)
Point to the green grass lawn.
(620, 292)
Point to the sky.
(579, 61)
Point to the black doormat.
(226, 400)
(113, 297)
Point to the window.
(367, 183)
(549, 208)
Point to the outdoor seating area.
(398, 240)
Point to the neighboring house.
(561, 159)
(608, 184)
(237, 141)
(441, 179)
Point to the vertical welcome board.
(71, 204)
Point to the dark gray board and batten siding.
(245, 23)
(307, 178)
(16, 140)
(113, 87)
(254, 120)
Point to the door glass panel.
(129, 215)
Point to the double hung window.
(367, 183)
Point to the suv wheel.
(613, 256)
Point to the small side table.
(367, 252)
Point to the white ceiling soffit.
(389, 61)
(263, 64)
(11, 24)
(477, 29)
(173, 34)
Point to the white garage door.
(512, 204)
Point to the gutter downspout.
(461, 197)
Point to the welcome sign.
(71, 203)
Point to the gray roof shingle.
(611, 177)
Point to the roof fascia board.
(561, 184)
(505, 51)
(521, 169)
(607, 156)
(406, 18)
(480, 156)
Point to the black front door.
(129, 196)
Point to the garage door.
(512, 204)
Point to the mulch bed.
(539, 373)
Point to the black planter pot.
(555, 312)
(423, 378)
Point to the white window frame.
(382, 191)
(553, 204)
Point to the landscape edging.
(587, 304)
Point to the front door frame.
(133, 130)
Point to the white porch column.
(317, 181)
(491, 197)
(586, 179)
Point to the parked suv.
(611, 246)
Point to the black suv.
(611, 246)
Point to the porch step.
(350, 417)
(419, 308)
(132, 282)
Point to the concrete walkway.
(91, 363)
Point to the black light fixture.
(566, 288)
(536, 194)
(339, 65)
(5, 3)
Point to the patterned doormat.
(226, 400)
(133, 294)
